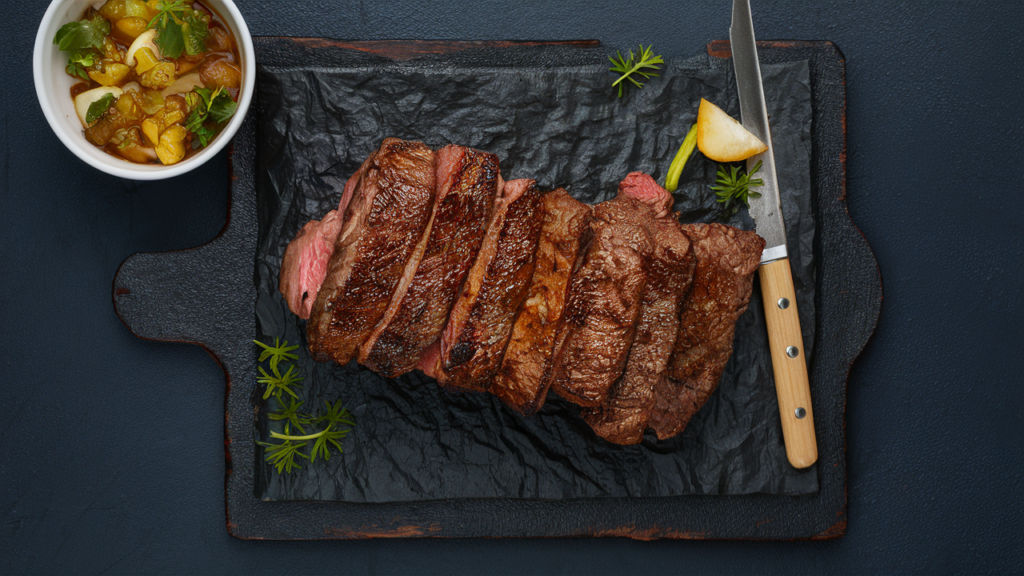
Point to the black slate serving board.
(206, 296)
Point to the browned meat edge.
(522, 383)
(624, 414)
(722, 283)
(481, 321)
(603, 303)
(384, 221)
(467, 181)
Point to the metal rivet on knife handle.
(783, 303)
(800, 412)
(792, 351)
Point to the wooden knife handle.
(788, 362)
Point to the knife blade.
(784, 336)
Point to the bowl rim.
(124, 168)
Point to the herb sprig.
(215, 105)
(626, 68)
(98, 108)
(179, 29)
(277, 352)
(734, 188)
(83, 40)
(325, 430)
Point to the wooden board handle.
(788, 363)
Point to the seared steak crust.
(473, 343)
(603, 303)
(523, 380)
(467, 181)
(624, 414)
(723, 280)
(384, 221)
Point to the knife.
(784, 336)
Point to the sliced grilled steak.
(305, 260)
(625, 413)
(384, 222)
(723, 279)
(467, 181)
(603, 302)
(644, 188)
(474, 340)
(523, 380)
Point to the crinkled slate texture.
(563, 126)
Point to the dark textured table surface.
(112, 457)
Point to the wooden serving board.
(206, 296)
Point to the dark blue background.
(111, 455)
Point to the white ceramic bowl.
(53, 88)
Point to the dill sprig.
(277, 353)
(326, 430)
(278, 383)
(626, 68)
(337, 418)
(282, 456)
(734, 188)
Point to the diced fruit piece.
(132, 148)
(131, 27)
(152, 100)
(151, 128)
(136, 8)
(219, 73)
(113, 10)
(159, 76)
(172, 113)
(111, 75)
(171, 148)
(86, 99)
(145, 60)
(145, 40)
(130, 106)
(721, 138)
(183, 85)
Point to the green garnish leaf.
(734, 188)
(278, 383)
(179, 29)
(292, 415)
(222, 107)
(326, 430)
(98, 108)
(170, 16)
(679, 162)
(282, 456)
(645, 66)
(218, 106)
(86, 58)
(194, 31)
(277, 352)
(338, 420)
(81, 35)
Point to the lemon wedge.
(721, 138)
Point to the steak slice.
(305, 260)
(625, 413)
(723, 280)
(474, 340)
(603, 303)
(384, 222)
(467, 181)
(645, 189)
(523, 380)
